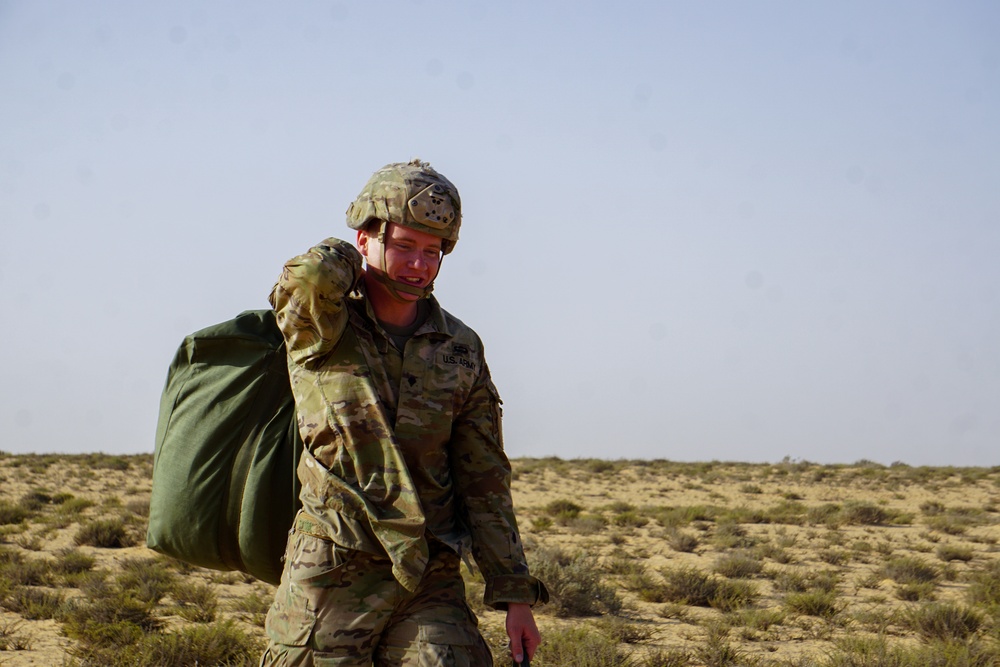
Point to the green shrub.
(598, 466)
(916, 591)
(105, 533)
(834, 556)
(813, 603)
(102, 461)
(11, 513)
(108, 616)
(630, 519)
(862, 651)
(757, 619)
(691, 586)
(775, 552)
(586, 524)
(827, 514)
(623, 631)
(932, 507)
(34, 604)
(863, 513)
(216, 644)
(681, 541)
(717, 651)
(953, 552)
(732, 536)
(947, 524)
(733, 595)
(674, 517)
(944, 621)
(738, 565)
(253, 606)
(575, 582)
(665, 658)
(196, 602)
(787, 512)
(35, 500)
(563, 510)
(909, 570)
(146, 579)
(541, 523)
(635, 578)
(625, 566)
(984, 585)
(21, 571)
(139, 508)
(794, 581)
(72, 561)
(579, 647)
(72, 506)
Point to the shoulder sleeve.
(309, 298)
(481, 474)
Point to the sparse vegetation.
(650, 564)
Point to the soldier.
(404, 470)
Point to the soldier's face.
(411, 256)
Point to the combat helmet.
(414, 195)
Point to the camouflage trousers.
(339, 607)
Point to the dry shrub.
(12, 639)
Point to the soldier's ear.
(363, 239)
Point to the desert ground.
(649, 563)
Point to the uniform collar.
(435, 324)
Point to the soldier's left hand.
(523, 633)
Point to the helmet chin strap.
(397, 286)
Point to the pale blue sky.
(728, 230)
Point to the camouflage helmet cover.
(411, 194)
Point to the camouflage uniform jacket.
(385, 465)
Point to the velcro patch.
(432, 207)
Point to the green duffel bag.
(225, 491)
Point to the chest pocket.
(437, 380)
(456, 367)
